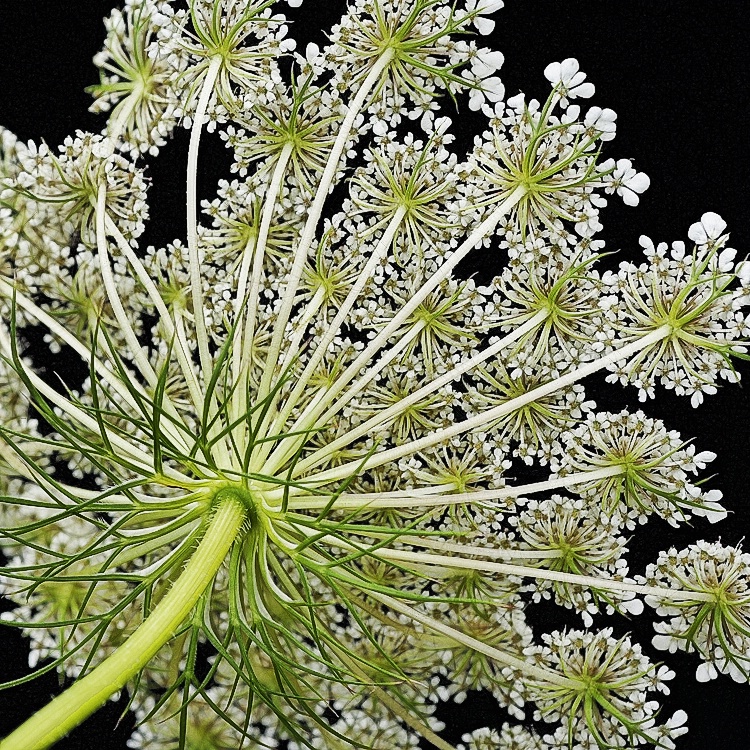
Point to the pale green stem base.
(85, 696)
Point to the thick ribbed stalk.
(85, 696)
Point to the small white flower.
(483, 8)
(490, 89)
(603, 121)
(570, 81)
(626, 182)
(709, 228)
(486, 62)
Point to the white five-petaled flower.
(709, 228)
(570, 81)
(625, 181)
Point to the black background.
(676, 74)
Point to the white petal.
(476, 97)
(493, 89)
(704, 457)
(634, 606)
(663, 643)
(552, 73)
(629, 198)
(678, 250)
(585, 90)
(713, 224)
(490, 6)
(568, 68)
(639, 182)
(484, 26)
(706, 672)
(726, 259)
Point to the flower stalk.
(86, 695)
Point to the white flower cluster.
(134, 86)
(586, 542)
(714, 617)
(649, 465)
(606, 703)
(312, 475)
(692, 292)
(508, 737)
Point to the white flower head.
(625, 181)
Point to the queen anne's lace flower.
(568, 80)
(508, 738)
(134, 85)
(585, 542)
(555, 156)
(697, 295)
(624, 180)
(605, 700)
(63, 189)
(300, 468)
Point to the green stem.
(85, 696)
